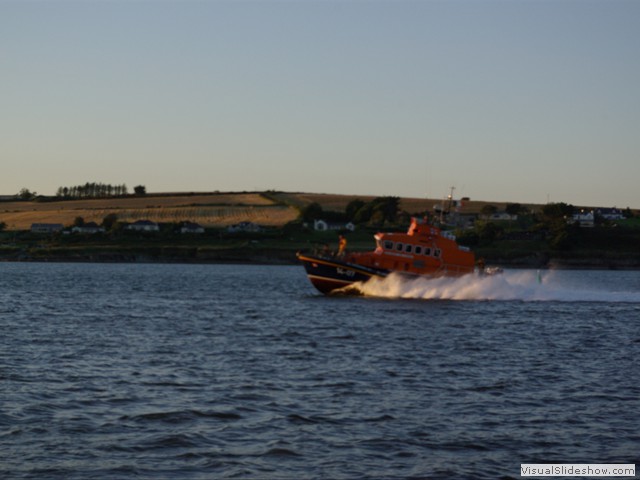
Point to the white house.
(503, 216)
(610, 213)
(190, 227)
(46, 227)
(244, 227)
(583, 219)
(144, 226)
(90, 228)
(322, 226)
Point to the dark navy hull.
(328, 274)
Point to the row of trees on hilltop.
(98, 190)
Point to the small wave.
(280, 452)
(159, 442)
(301, 419)
(217, 415)
(295, 418)
(381, 418)
(180, 440)
(182, 416)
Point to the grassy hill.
(334, 202)
(212, 210)
(208, 209)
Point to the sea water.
(209, 371)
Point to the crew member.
(481, 266)
(342, 245)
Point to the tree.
(377, 211)
(377, 218)
(109, 221)
(311, 212)
(468, 238)
(78, 222)
(363, 215)
(140, 190)
(560, 238)
(488, 232)
(488, 210)
(25, 194)
(557, 211)
(2, 226)
(389, 206)
(352, 208)
(513, 208)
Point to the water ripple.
(194, 372)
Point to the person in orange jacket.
(342, 245)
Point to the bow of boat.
(329, 274)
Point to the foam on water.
(528, 285)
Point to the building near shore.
(144, 226)
(46, 227)
(89, 228)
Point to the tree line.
(98, 190)
(92, 190)
(379, 211)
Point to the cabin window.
(408, 248)
(388, 244)
(436, 253)
(418, 249)
(399, 247)
(427, 252)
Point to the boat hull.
(329, 274)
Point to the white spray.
(524, 285)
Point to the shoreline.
(288, 257)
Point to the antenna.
(450, 199)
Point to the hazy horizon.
(526, 101)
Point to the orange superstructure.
(423, 250)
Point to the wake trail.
(518, 285)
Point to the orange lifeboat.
(423, 250)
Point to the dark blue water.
(200, 372)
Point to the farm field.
(209, 210)
(273, 209)
(338, 203)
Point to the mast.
(446, 210)
(450, 200)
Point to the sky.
(513, 101)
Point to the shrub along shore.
(276, 247)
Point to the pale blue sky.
(505, 100)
